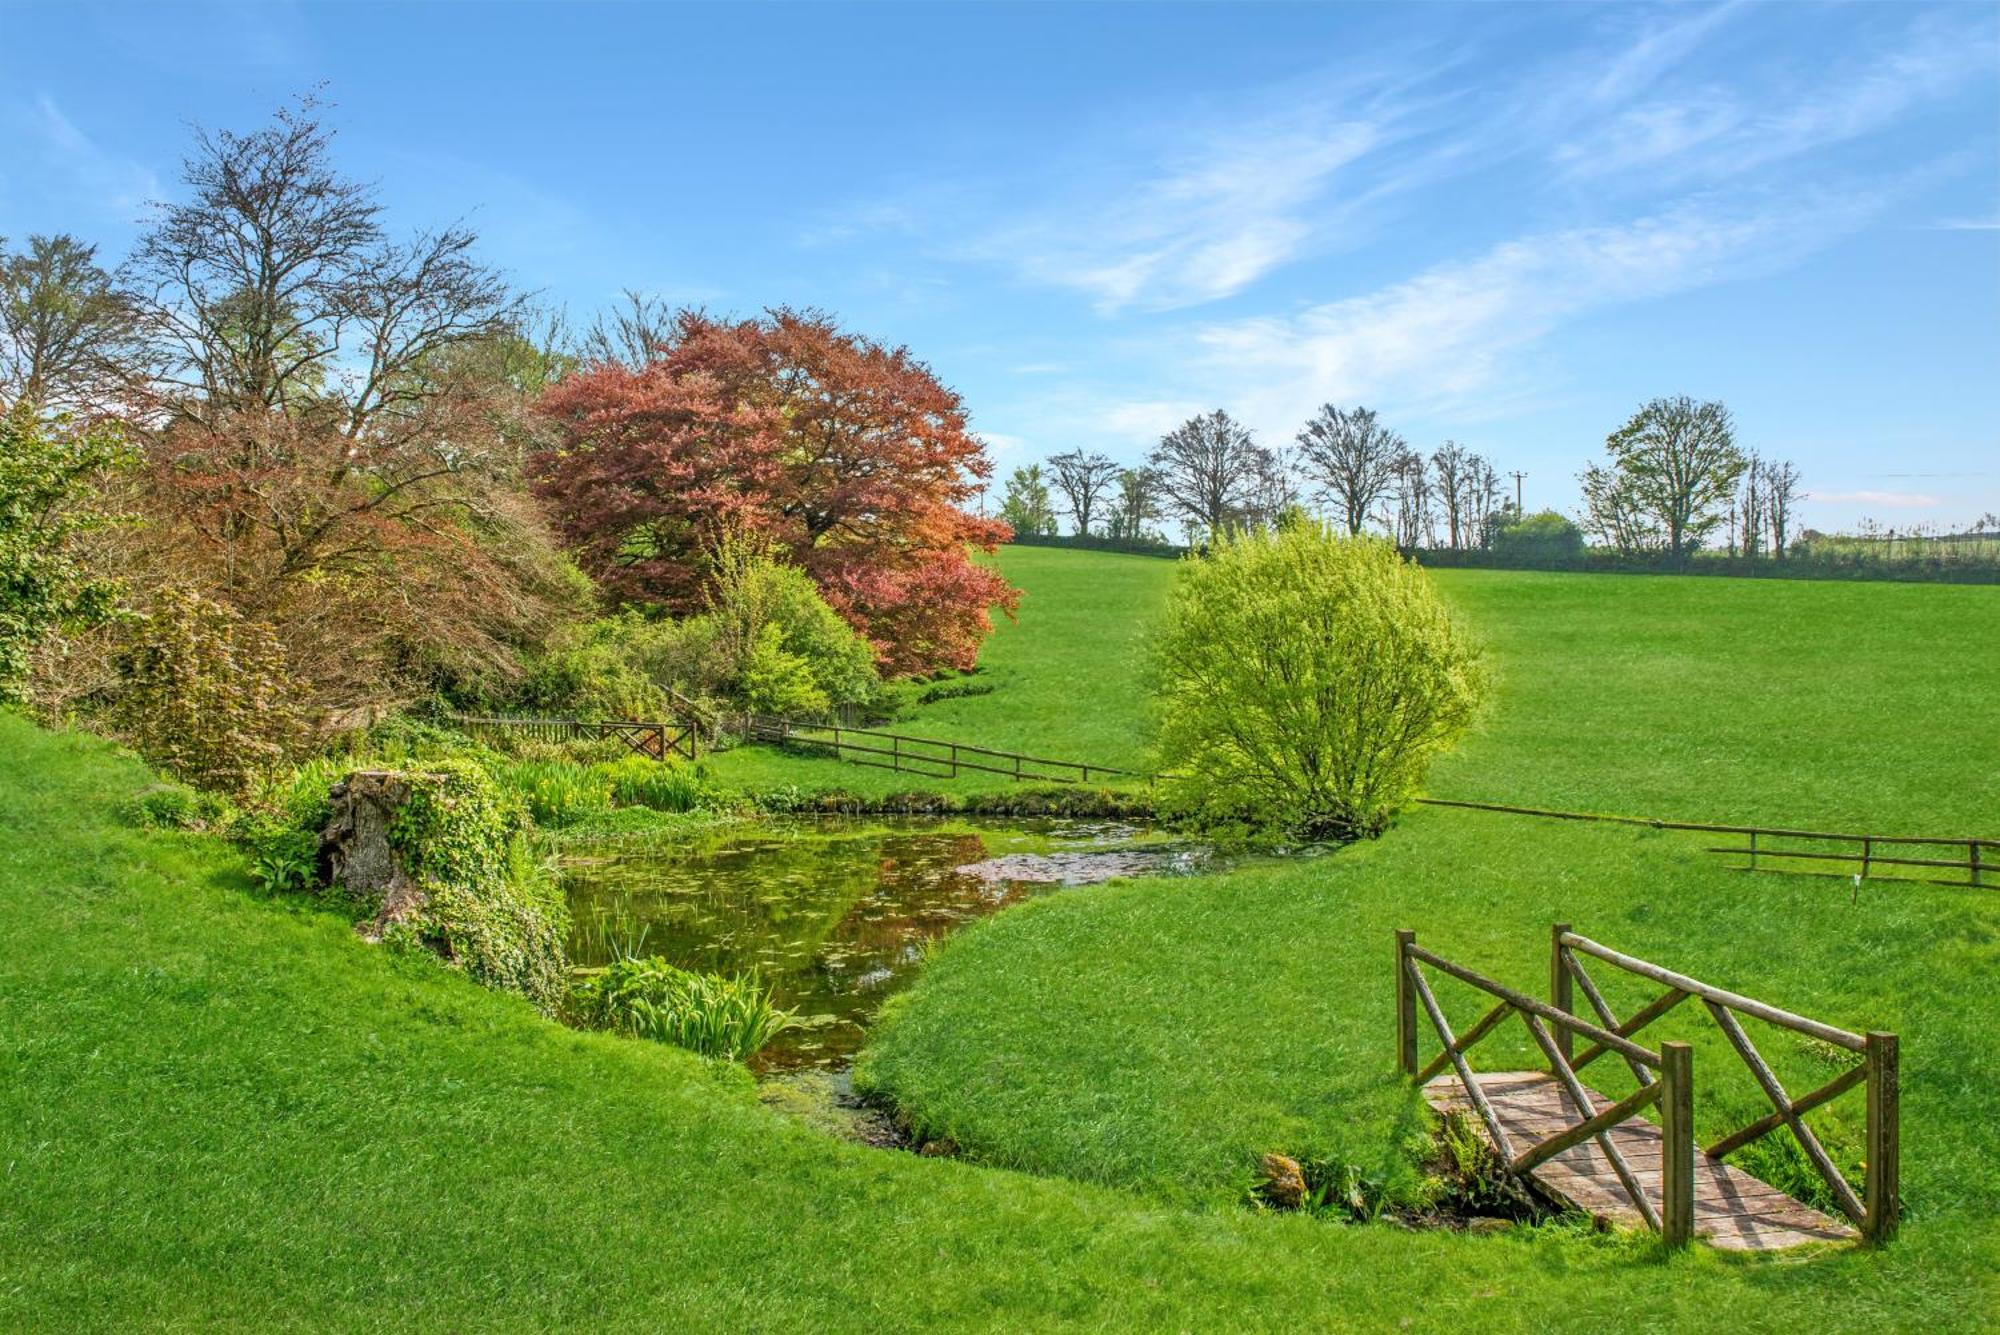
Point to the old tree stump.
(355, 851)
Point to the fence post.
(1677, 1144)
(1406, 1006)
(1559, 990)
(1973, 859)
(1884, 1139)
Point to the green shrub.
(777, 681)
(1305, 680)
(49, 476)
(785, 641)
(716, 1016)
(203, 694)
(1544, 538)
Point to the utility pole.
(1517, 475)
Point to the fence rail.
(1764, 845)
(1664, 1077)
(654, 740)
(922, 755)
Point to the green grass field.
(222, 1110)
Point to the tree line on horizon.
(1674, 480)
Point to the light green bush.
(1304, 682)
(786, 642)
(204, 694)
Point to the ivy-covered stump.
(355, 851)
(439, 856)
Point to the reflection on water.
(834, 913)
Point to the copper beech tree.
(851, 457)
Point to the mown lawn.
(220, 1111)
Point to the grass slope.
(1162, 1035)
(1845, 706)
(216, 1111)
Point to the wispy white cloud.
(1144, 421)
(1967, 225)
(1455, 334)
(1712, 132)
(1894, 500)
(1220, 213)
(118, 185)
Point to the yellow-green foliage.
(204, 694)
(1306, 680)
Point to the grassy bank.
(1830, 706)
(223, 1111)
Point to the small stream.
(835, 913)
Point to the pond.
(835, 913)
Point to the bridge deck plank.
(1733, 1210)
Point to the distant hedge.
(1837, 564)
(1097, 544)
(1840, 565)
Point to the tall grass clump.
(637, 782)
(559, 794)
(716, 1016)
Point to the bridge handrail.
(1553, 1026)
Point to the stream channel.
(835, 913)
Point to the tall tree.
(333, 430)
(1352, 457)
(1027, 506)
(1452, 463)
(1083, 479)
(275, 285)
(1138, 505)
(1671, 473)
(1781, 483)
(1752, 507)
(851, 456)
(67, 331)
(1206, 468)
(1274, 488)
(1411, 489)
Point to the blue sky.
(1505, 225)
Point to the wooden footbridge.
(1599, 1154)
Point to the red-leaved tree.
(851, 457)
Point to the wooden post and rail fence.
(1762, 848)
(1771, 848)
(922, 755)
(653, 740)
(1598, 1153)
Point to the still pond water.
(835, 913)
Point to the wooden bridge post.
(1406, 1006)
(1677, 1144)
(1884, 1138)
(1559, 990)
